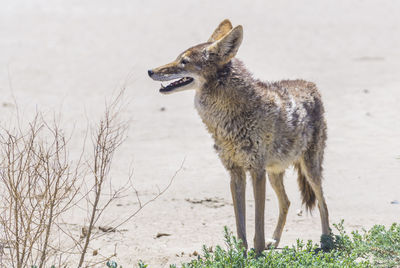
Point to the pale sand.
(69, 56)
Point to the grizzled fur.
(259, 124)
(260, 127)
(256, 124)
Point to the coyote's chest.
(233, 131)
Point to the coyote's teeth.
(176, 83)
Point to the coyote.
(260, 127)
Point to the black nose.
(150, 72)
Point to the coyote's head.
(196, 65)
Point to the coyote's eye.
(184, 61)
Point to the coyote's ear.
(227, 47)
(223, 28)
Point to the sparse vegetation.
(377, 247)
(40, 184)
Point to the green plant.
(141, 264)
(377, 247)
(112, 264)
(300, 255)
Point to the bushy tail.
(307, 193)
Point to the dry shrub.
(40, 184)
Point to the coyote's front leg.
(238, 189)
(258, 177)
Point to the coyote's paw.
(271, 243)
(327, 242)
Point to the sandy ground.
(69, 56)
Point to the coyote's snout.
(259, 127)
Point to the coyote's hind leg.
(276, 180)
(311, 168)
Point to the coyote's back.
(260, 127)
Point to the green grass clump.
(377, 247)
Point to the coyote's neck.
(225, 96)
(228, 89)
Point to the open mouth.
(176, 84)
